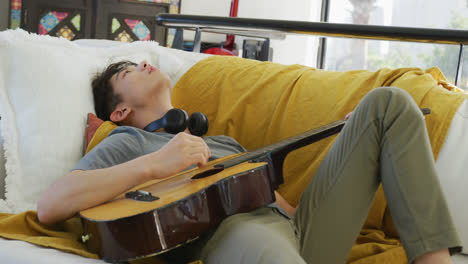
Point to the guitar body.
(189, 204)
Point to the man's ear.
(120, 114)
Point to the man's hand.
(181, 152)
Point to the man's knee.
(390, 93)
(394, 99)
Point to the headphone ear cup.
(176, 121)
(198, 124)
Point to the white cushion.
(45, 95)
(2, 165)
(98, 43)
(452, 168)
(20, 252)
(45, 81)
(172, 61)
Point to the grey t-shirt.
(126, 143)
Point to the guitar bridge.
(141, 196)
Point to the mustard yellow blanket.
(259, 103)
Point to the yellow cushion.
(101, 133)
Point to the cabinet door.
(64, 18)
(129, 20)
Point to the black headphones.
(176, 120)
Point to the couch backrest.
(2, 166)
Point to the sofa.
(45, 99)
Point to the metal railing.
(277, 29)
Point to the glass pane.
(50, 21)
(124, 37)
(76, 21)
(115, 24)
(353, 54)
(139, 28)
(66, 32)
(15, 21)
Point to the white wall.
(206, 8)
(294, 49)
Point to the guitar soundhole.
(207, 173)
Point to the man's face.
(141, 85)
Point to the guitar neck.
(276, 153)
(280, 149)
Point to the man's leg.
(385, 140)
(258, 237)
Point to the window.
(352, 54)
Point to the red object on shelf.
(228, 45)
(219, 51)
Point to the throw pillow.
(92, 125)
(99, 134)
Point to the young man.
(385, 140)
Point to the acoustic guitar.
(160, 215)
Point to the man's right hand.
(181, 152)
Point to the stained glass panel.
(50, 21)
(132, 22)
(174, 7)
(115, 24)
(76, 21)
(15, 14)
(124, 37)
(66, 32)
(139, 28)
(174, 4)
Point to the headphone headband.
(176, 120)
(155, 125)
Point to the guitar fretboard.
(289, 143)
(293, 143)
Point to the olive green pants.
(385, 141)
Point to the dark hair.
(105, 99)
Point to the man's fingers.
(200, 150)
(195, 149)
(201, 146)
(201, 160)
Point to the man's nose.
(144, 65)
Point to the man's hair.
(105, 99)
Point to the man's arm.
(79, 190)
